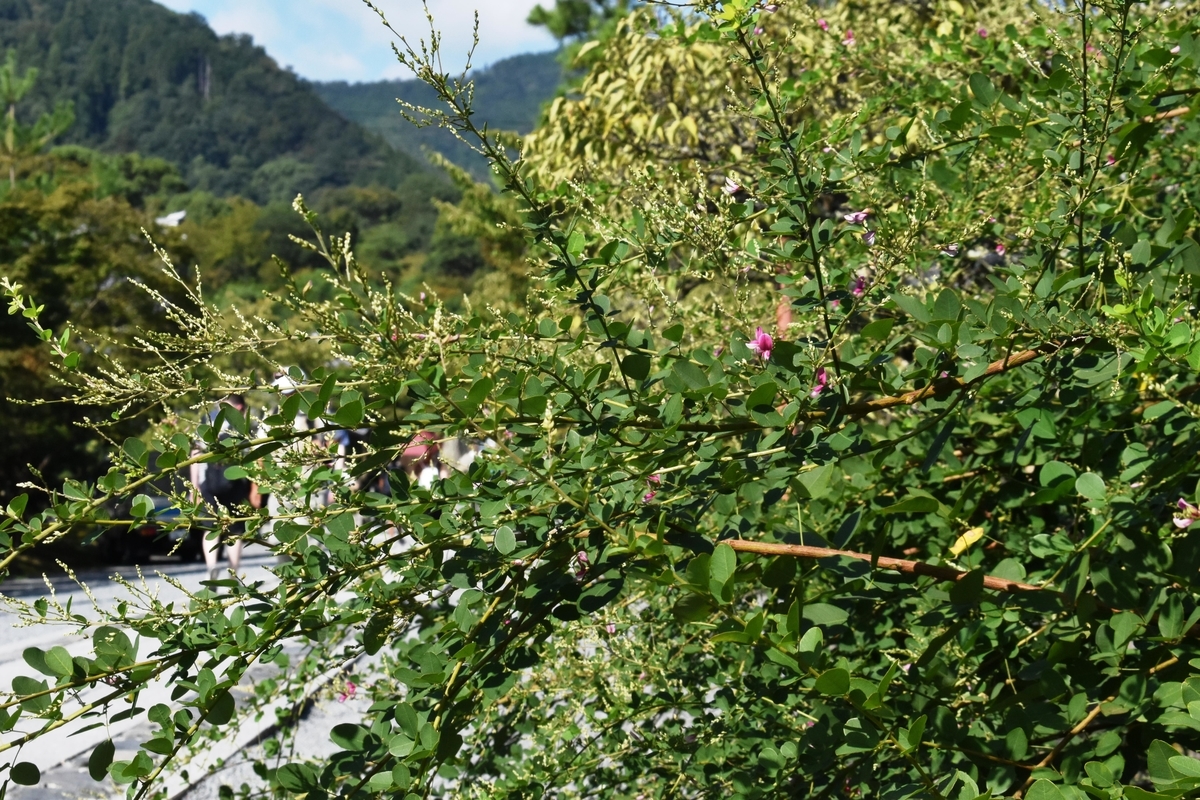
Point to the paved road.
(61, 757)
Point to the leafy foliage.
(509, 96)
(847, 449)
(144, 79)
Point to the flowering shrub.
(846, 451)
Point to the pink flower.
(648, 496)
(856, 217)
(822, 382)
(762, 344)
(731, 186)
(770, 8)
(1001, 249)
(655, 479)
(822, 24)
(610, 628)
(1175, 49)
(581, 565)
(982, 33)
(848, 40)
(351, 688)
(869, 238)
(950, 250)
(859, 287)
(1190, 515)
(1110, 160)
(758, 31)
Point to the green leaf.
(878, 330)
(100, 759)
(222, 708)
(811, 641)
(17, 507)
(636, 366)
(25, 773)
(913, 307)
(721, 567)
(296, 777)
(825, 614)
(762, 397)
(968, 589)
(349, 736)
(1055, 471)
(506, 540)
(947, 305)
(1158, 761)
(350, 415)
(814, 484)
(142, 507)
(691, 375)
(36, 658)
(1043, 789)
(982, 88)
(674, 334)
(1091, 486)
(913, 504)
(375, 633)
(1186, 766)
(833, 682)
(59, 660)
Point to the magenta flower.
(869, 238)
(982, 33)
(822, 24)
(648, 496)
(655, 479)
(822, 382)
(859, 287)
(581, 565)
(1001, 249)
(762, 344)
(848, 40)
(950, 250)
(1110, 160)
(1190, 515)
(351, 688)
(856, 217)
(731, 186)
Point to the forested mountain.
(508, 96)
(149, 80)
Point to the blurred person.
(218, 491)
(420, 459)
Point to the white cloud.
(344, 40)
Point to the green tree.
(21, 142)
(846, 448)
(573, 19)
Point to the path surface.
(62, 758)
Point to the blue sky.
(343, 39)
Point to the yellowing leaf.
(945, 28)
(966, 540)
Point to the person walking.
(220, 492)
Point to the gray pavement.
(61, 757)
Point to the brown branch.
(944, 386)
(883, 562)
(1062, 743)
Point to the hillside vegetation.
(508, 96)
(146, 79)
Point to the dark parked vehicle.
(159, 534)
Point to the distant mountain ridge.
(146, 79)
(509, 95)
